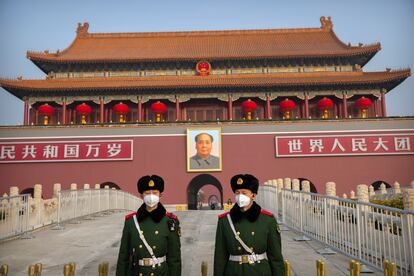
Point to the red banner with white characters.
(65, 151)
(345, 145)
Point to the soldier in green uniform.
(150, 244)
(248, 238)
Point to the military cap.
(150, 182)
(244, 181)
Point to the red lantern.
(158, 108)
(203, 68)
(287, 106)
(249, 107)
(363, 104)
(83, 109)
(325, 105)
(121, 109)
(46, 110)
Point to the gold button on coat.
(156, 232)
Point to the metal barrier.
(367, 232)
(14, 215)
(21, 214)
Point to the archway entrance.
(196, 184)
(110, 184)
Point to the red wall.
(166, 156)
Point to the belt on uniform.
(248, 259)
(151, 261)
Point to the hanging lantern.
(121, 109)
(249, 107)
(83, 109)
(46, 110)
(325, 105)
(287, 106)
(363, 104)
(158, 108)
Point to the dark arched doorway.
(377, 185)
(196, 184)
(28, 191)
(111, 185)
(312, 186)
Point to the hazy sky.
(50, 25)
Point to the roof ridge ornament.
(326, 23)
(82, 30)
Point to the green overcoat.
(259, 230)
(164, 240)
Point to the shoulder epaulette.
(130, 216)
(264, 212)
(223, 215)
(168, 214)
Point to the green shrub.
(394, 203)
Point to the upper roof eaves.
(211, 45)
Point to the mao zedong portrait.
(203, 159)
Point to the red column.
(69, 116)
(74, 116)
(383, 106)
(376, 107)
(139, 110)
(26, 113)
(268, 109)
(64, 112)
(344, 106)
(102, 112)
(230, 108)
(177, 109)
(306, 106)
(338, 110)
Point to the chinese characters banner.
(65, 151)
(345, 145)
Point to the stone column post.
(371, 191)
(279, 184)
(287, 184)
(362, 193)
(408, 197)
(14, 191)
(397, 189)
(306, 188)
(330, 189)
(295, 184)
(57, 187)
(383, 189)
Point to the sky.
(51, 24)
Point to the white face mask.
(151, 200)
(242, 200)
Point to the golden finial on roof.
(326, 23)
(82, 30)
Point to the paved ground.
(95, 241)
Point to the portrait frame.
(193, 161)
